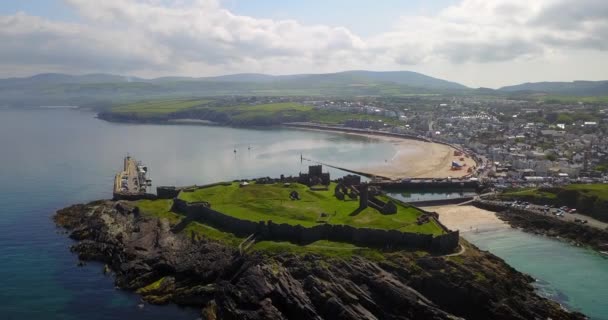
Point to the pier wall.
(439, 202)
(418, 185)
(133, 196)
(305, 235)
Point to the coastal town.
(519, 142)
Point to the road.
(538, 209)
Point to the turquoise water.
(53, 158)
(573, 276)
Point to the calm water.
(573, 276)
(409, 195)
(53, 158)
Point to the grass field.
(271, 202)
(247, 115)
(273, 107)
(159, 106)
(529, 192)
(574, 99)
(598, 190)
(158, 208)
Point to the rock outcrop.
(164, 267)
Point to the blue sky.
(487, 43)
(55, 9)
(365, 17)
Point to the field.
(529, 193)
(238, 115)
(159, 208)
(158, 107)
(574, 99)
(271, 202)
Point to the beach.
(412, 159)
(468, 218)
(419, 159)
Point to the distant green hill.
(578, 88)
(99, 90)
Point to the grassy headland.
(237, 115)
(262, 202)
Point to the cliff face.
(164, 267)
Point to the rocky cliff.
(165, 267)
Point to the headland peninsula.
(295, 247)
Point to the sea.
(52, 158)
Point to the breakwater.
(439, 202)
(422, 185)
(269, 230)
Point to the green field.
(158, 107)
(259, 202)
(574, 99)
(158, 208)
(239, 115)
(529, 193)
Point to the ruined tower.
(363, 196)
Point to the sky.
(479, 43)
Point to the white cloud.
(152, 38)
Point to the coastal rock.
(146, 256)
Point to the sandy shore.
(418, 159)
(413, 158)
(468, 218)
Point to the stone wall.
(133, 197)
(439, 202)
(167, 192)
(302, 235)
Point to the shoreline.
(414, 158)
(468, 218)
(237, 284)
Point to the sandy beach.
(412, 159)
(468, 218)
(419, 159)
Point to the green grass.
(159, 209)
(575, 99)
(258, 202)
(159, 107)
(256, 115)
(321, 247)
(598, 190)
(529, 193)
(273, 107)
(151, 287)
(200, 229)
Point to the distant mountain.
(407, 78)
(59, 78)
(579, 88)
(104, 89)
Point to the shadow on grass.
(356, 212)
